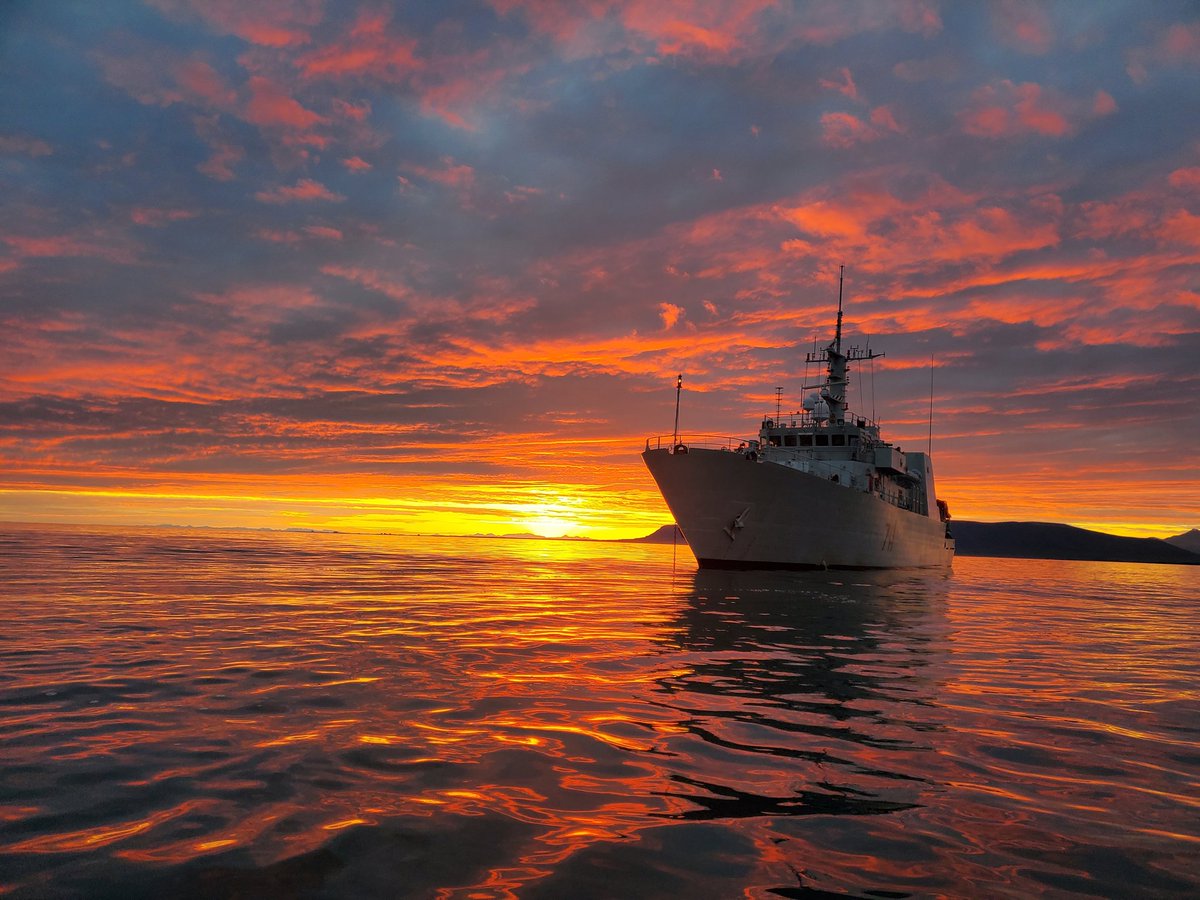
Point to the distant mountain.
(1189, 540)
(668, 534)
(1044, 540)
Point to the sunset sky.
(435, 266)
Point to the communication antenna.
(837, 339)
(778, 401)
(930, 447)
(678, 390)
(872, 359)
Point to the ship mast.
(833, 391)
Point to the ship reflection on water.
(807, 672)
(208, 715)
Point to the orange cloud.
(670, 314)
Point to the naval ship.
(817, 489)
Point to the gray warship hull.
(738, 511)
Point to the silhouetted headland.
(1048, 540)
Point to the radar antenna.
(833, 391)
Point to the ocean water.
(189, 713)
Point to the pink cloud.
(1023, 25)
(1005, 109)
(202, 84)
(366, 49)
(268, 23)
(15, 144)
(278, 237)
(304, 189)
(840, 129)
(522, 193)
(1181, 227)
(225, 153)
(370, 278)
(323, 231)
(140, 70)
(1103, 104)
(157, 218)
(721, 31)
(458, 85)
(1127, 216)
(357, 164)
(270, 105)
(357, 112)
(1185, 178)
(155, 76)
(111, 247)
(845, 86)
(449, 174)
(1177, 45)
(882, 117)
(1182, 42)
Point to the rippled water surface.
(216, 714)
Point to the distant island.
(1042, 540)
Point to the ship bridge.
(804, 430)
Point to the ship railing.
(682, 442)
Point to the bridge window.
(789, 440)
(822, 440)
(839, 440)
(806, 440)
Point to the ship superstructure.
(816, 488)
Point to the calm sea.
(217, 714)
